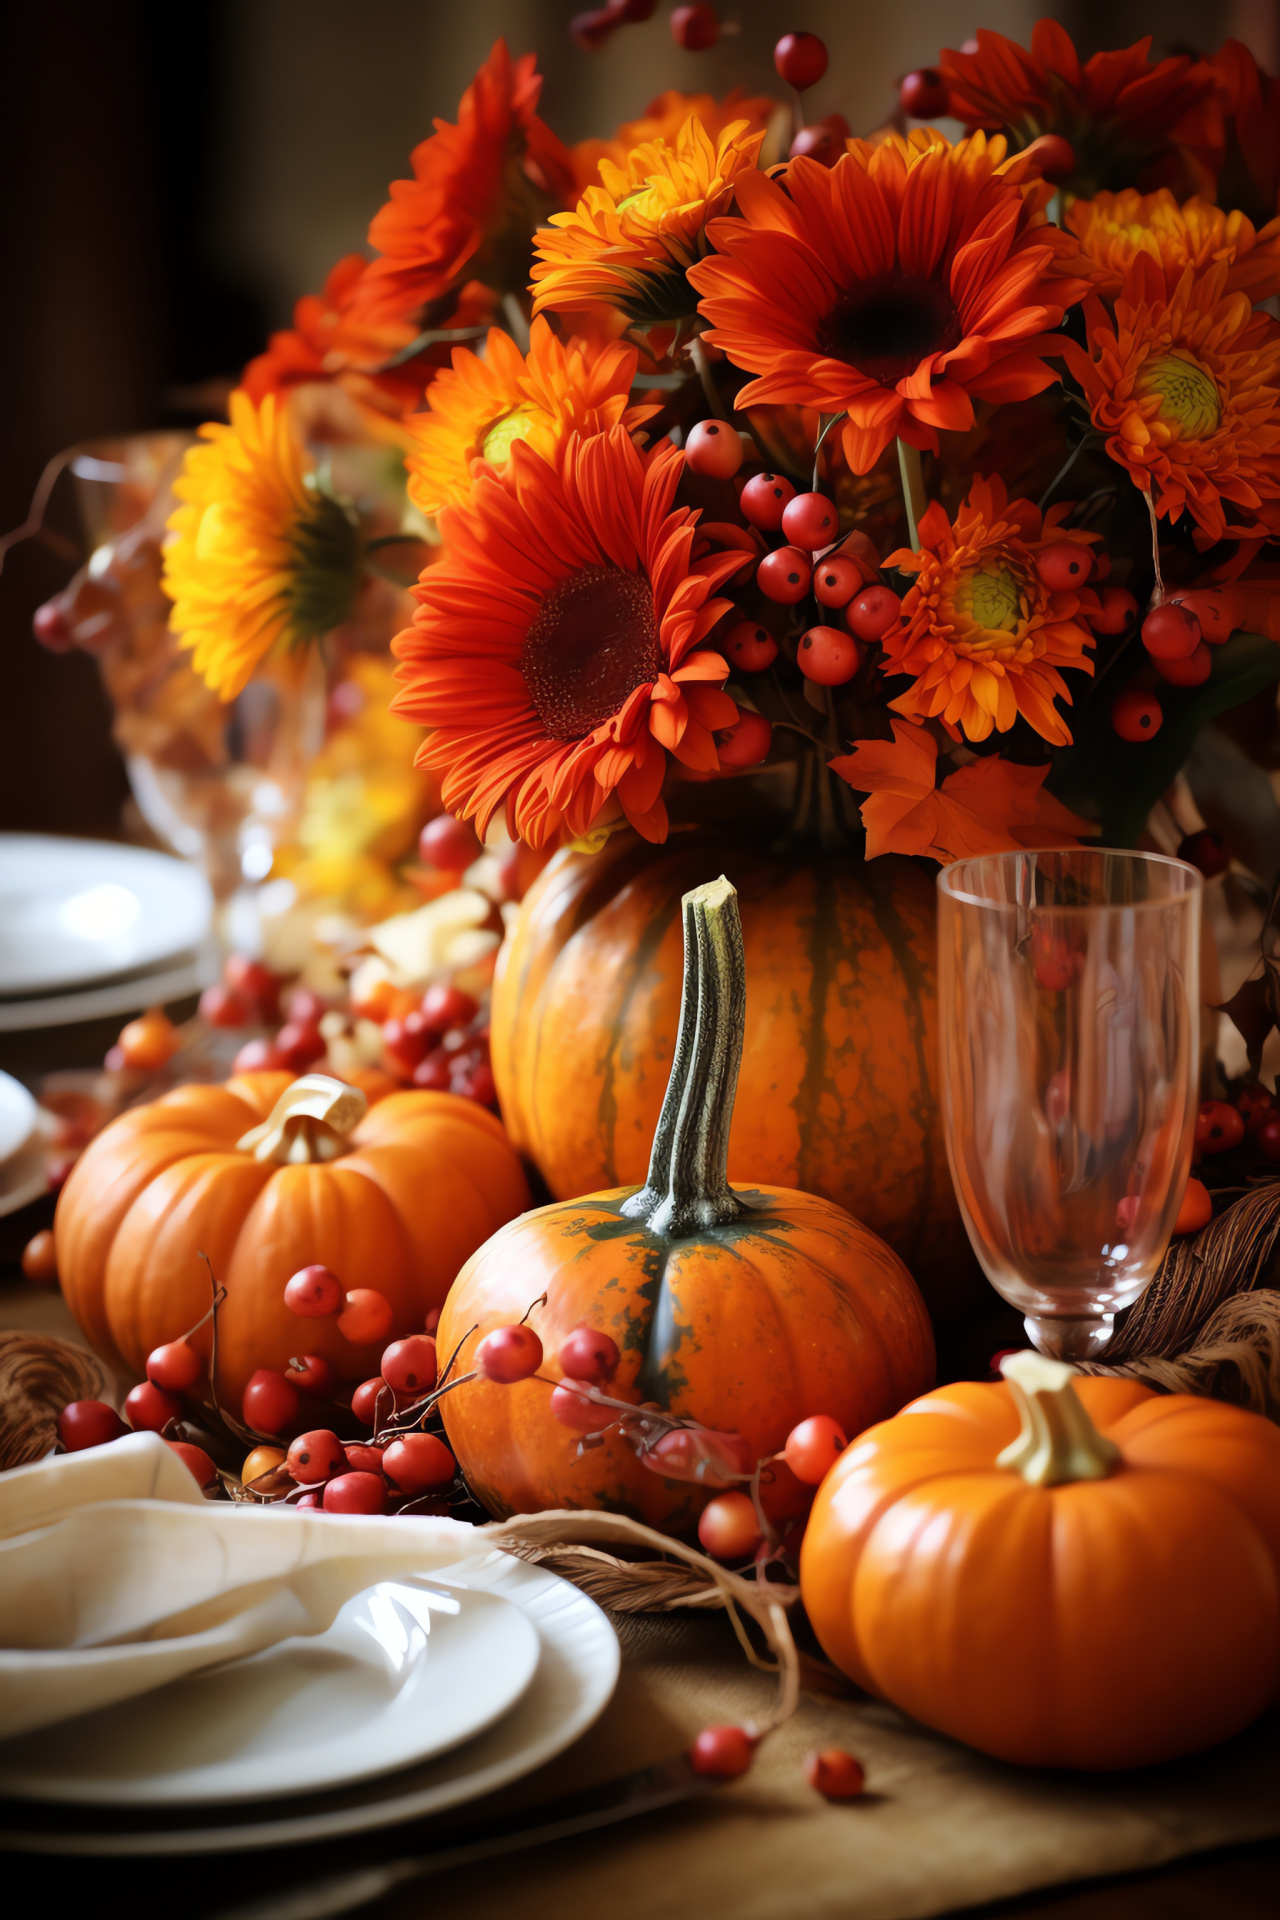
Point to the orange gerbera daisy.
(662, 120)
(1113, 228)
(1185, 383)
(898, 286)
(478, 191)
(980, 629)
(1123, 116)
(556, 650)
(630, 241)
(480, 408)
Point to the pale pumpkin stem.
(1058, 1441)
(688, 1186)
(309, 1122)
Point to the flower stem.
(827, 423)
(702, 366)
(914, 498)
(1155, 549)
(517, 324)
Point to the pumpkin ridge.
(889, 922)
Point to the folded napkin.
(116, 1575)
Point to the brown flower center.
(885, 327)
(593, 641)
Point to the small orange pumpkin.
(1060, 1571)
(746, 1310)
(267, 1174)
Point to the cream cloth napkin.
(116, 1575)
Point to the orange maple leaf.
(989, 806)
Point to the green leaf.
(1117, 782)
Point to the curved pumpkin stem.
(1058, 1441)
(309, 1122)
(688, 1187)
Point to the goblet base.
(1064, 1339)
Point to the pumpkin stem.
(309, 1122)
(688, 1188)
(1058, 1441)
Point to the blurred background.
(173, 178)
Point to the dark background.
(172, 177)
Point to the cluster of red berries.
(1178, 647)
(1222, 1125)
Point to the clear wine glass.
(1069, 1004)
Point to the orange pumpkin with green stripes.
(745, 1308)
(838, 1094)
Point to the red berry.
(1064, 565)
(52, 628)
(435, 1073)
(873, 613)
(1208, 851)
(149, 1042)
(449, 844)
(367, 1317)
(813, 1448)
(923, 94)
(746, 743)
(269, 1402)
(1196, 1210)
(694, 28)
(445, 1006)
(365, 1399)
(299, 1047)
(579, 1411)
(409, 1366)
(315, 1456)
(1191, 672)
(824, 141)
(784, 575)
(223, 1008)
(311, 1374)
(801, 59)
(828, 656)
(406, 1043)
(1056, 965)
(591, 31)
(254, 983)
(356, 1493)
(1218, 1127)
(40, 1259)
(174, 1368)
(836, 580)
(1169, 632)
(764, 499)
(508, 1354)
(1253, 1100)
(589, 1355)
(196, 1461)
(810, 521)
(305, 1008)
(362, 1458)
(729, 1527)
(1053, 155)
(476, 1083)
(1101, 566)
(1117, 611)
(418, 1463)
(835, 1774)
(750, 647)
(258, 1056)
(714, 448)
(314, 1292)
(1269, 1138)
(148, 1409)
(432, 1320)
(1136, 715)
(723, 1752)
(309, 1500)
(88, 1423)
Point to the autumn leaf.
(989, 806)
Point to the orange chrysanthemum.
(898, 286)
(980, 630)
(481, 407)
(1128, 121)
(630, 241)
(556, 650)
(1113, 228)
(478, 191)
(1249, 165)
(1185, 383)
(662, 120)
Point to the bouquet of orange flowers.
(949, 465)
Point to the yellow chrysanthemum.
(1114, 228)
(259, 556)
(629, 241)
(482, 406)
(662, 120)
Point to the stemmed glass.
(1069, 1002)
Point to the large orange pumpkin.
(745, 1309)
(395, 1200)
(838, 1094)
(1059, 1571)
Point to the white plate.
(17, 1116)
(75, 912)
(576, 1676)
(186, 975)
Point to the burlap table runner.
(938, 1828)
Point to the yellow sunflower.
(258, 557)
(630, 240)
(482, 406)
(1114, 228)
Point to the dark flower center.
(885, 327)
(593, 641)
